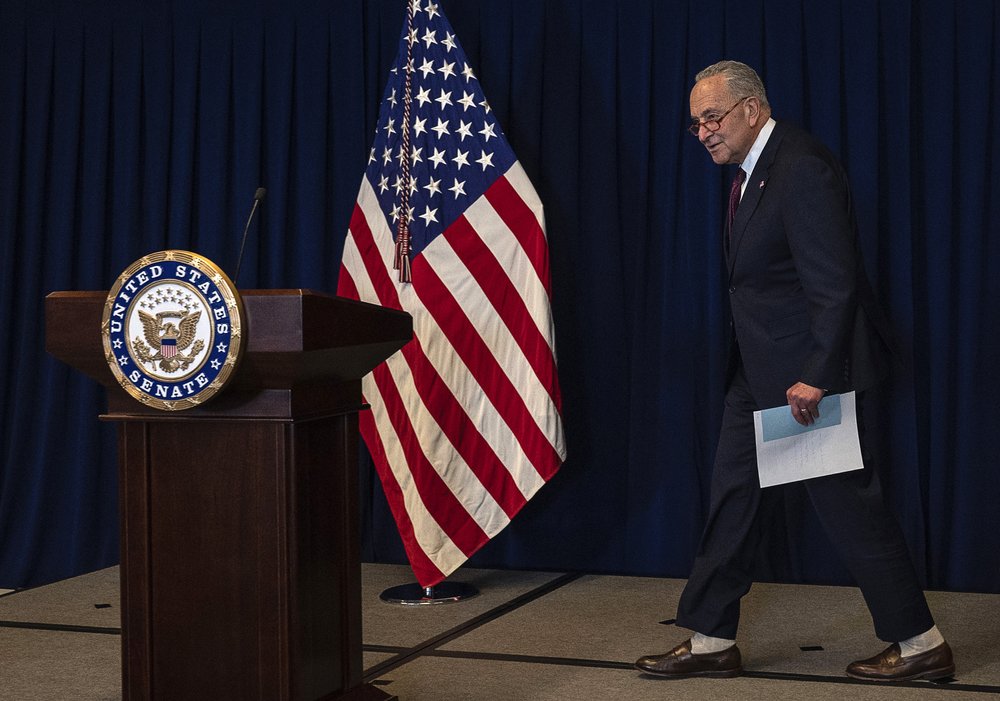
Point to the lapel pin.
(761, 185)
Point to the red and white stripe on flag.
(465, 423)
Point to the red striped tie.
(734, 202)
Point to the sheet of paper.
(787, 451)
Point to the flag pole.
(401, 260)
(413, 594)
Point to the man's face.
(710, 99)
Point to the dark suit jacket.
(802, 306)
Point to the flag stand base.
(415, 595)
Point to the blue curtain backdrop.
(130, 127)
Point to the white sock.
(706, 644)
(921, 643)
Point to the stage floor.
(530, 636)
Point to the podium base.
(365, 692)
(415, 595)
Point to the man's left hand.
(804, 400)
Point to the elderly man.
(804, 322)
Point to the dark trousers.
(853, 514)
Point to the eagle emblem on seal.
(167, 335)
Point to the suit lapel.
(754, 191)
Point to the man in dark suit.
(805, 322)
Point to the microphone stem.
(239, 262)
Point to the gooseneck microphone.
(258, 197)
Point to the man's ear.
(751, 107)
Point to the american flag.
(465, 421)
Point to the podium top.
(295, 338)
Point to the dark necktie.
(734, 202)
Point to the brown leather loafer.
(889, 666)
(681, 663)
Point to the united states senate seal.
(172, 329)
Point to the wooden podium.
(240, 566)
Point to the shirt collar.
(758, 147)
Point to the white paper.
(789, 452)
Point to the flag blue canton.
(457, 148)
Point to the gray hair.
(741, 79)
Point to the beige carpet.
(532, 636)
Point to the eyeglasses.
(713, 124)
